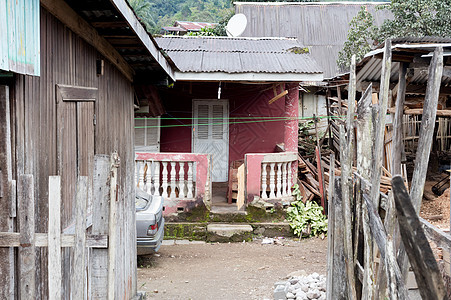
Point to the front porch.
(184, 180)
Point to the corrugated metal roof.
(322, 27)
(237, 55)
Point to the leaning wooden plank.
(27, 253)
(113, 226)
(100, 214)
(54, 238)
(425, 140)
(346, 211)
(427, 128)
(78, 266)
(330, 232)
(380, 236)
(380, 124)
(435, 234)
(422, 260)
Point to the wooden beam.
(113, 224)
(12, 239)
(63, 12)
(419, 111)
(330, 229)
(421, 257)
(435, 234)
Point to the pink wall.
(247, 102)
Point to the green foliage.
(143, 10)
(306, 219)
(360, 34)
(206, 31)
(411, 18)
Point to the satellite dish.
(236, 25)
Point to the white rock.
(304, 288)
(313, 294)
(290, 296)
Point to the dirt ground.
(227, 271)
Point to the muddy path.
(227, 271)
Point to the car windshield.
(140, 200)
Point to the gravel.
(302, 287)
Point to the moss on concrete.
(188, 231)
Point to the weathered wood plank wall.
(67, 59)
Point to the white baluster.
(182, 180)
(173, 173)
(289, 177)
(165, 179)
(272, 183)
(264, 185)
(190, 180)
(284, 180)
(136, 172)
(279, 180)
(156, 179)
(148, 177)
(141, 175)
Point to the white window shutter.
(147, 134)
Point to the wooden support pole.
(330, 229)
(422, 260)
(112, 228)
(78, 263)
(27, 252)
(54, 238)
(398, 145)
(380, 124)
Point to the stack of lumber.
(308, 177)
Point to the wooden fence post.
(339, 276)
(330, 229)
(380, 124)
(100, 218)
(112, 228)
(78, 262)
(364, 155)
(27, 253)
(54, 238)
(398, 145)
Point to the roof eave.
(249, 76)
(148, 42)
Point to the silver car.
(149, 222)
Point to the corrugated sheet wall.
(67, 59)
(19, 36)
(321, 27)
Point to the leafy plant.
(206, 31)
(411, 18)
(306, 219)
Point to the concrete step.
(229, 232)
(226, 209)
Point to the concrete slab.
(182, 242)
(228, 232)
(168, 243)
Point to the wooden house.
(67, 70)
(234, 104)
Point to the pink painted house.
(234, 103)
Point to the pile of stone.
(308, 287)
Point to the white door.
(211, 134)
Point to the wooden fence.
(366, 258)
(91, 272)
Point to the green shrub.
(306, 219)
